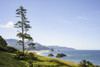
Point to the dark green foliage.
(10, 49)
(2, 48)
(21, 56)
(31, 56)
(25, 56)
(89, 63)
(85, 63)
(30, 63)
(2, 42)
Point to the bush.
(2, 48)
(21, 56)
(10, 49)
(85, 63)
(19, 53)
(25, 56)
(2, 42)
(31, 56)
(30, 63)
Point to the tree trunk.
(23, 31)
(23, 44)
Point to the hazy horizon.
(68, 23)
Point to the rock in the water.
(50, 55)
(51, 49)
(60, 55)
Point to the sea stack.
(50, 55)
(60, 55)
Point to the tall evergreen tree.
(23, 27)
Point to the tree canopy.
(23, 27)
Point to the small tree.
(23, 26)
(2, 42)
(85, 63)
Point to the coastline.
(69, 63)
(39, 51)
(73, 56)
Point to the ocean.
(77, 55)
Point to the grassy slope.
(7, 60)
(63, 62)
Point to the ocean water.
(77, 55)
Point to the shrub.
(30, 63)
(19, 53)
(2, 48)
(2, 42)
(31, 56)
(85, 63)
(10, 49)
(21, 56)
(89, 63)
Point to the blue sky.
(69, 23)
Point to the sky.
(68, 23)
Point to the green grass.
(58, 61)
(8, 60)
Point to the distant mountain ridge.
(61, 48)
(38, 46)
(13, 42)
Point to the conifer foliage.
(23, 27)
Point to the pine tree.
(23, 27)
